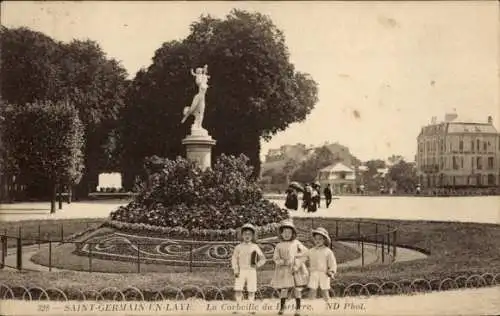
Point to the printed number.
(43, 308)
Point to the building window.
(472, 145)
(490, 162)
(462, 162)
(478, 143)
(479, 163)
(472, 163)
(461, 145)
(491, 179)
(455, 164)
(441, 163)
(485, 146)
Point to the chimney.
(490, 119)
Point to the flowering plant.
(179, 194)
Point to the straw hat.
(248, 226)
(321, 231)
(287, 224)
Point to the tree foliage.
(254, 90)
(44, 140)
(309, 168)
(37, 68)
(404, 174)
(29, 66)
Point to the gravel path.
(478, 209)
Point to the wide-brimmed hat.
(287, 224)
(249, 227)
(323, 232)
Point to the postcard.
(249, 158)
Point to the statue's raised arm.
(197, 107)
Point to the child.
(322, 264)
(290, 270)
(244, 263)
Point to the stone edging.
(205, 234)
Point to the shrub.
(179, 194)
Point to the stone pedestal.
(199, 147)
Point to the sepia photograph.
(250, 158)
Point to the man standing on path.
(328, 195)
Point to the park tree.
(37, 68)
(309, 168)
(371, 179)
(254, 90)
(96, 85)
(395, 159)
(404, 174)
(44, 141)
(29, 66)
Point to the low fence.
(338, 289)
(375, 242)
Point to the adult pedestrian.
(317, 188)
(313, 202)
(292, 200)
(307, 198)
(328, 195)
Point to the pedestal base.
(199, 148)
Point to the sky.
(384, 69)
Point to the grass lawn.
(33, 230)
(455, 249)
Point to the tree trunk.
(53, 199)
(59, 195)
(87, 184)
(70, 192)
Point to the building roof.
(382, 170)
(461, 127)
(337, 167)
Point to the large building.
(458, 154)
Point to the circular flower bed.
(180, 197)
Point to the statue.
(197, 108)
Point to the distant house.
(341, 177)
(458, 154)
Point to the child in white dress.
(290, 270)
(322, 264)
(247, 257)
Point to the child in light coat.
(247, 257)
(290, 270)
(322, 264)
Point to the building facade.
(458, 154)
(341, 178)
